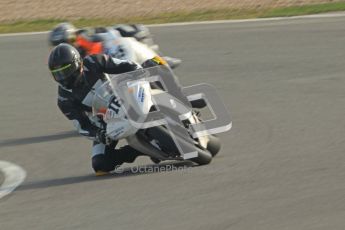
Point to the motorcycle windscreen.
(100, 101)
(129, 95)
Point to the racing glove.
(101, 136)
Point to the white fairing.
(119, 128)
(141, 96)
(120, 124)
(126, 48)
(141, 52)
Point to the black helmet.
(63, 32)
(65, 64)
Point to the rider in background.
(97, 40)
(82, 39)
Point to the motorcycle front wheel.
(161, 134)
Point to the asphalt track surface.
(282, 165)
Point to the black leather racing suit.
(76, 104)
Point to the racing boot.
(103, 164)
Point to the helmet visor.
(62, 74)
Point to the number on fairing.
(115, 105)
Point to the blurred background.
(39, 15)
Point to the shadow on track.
(38, 139)
(130, 171)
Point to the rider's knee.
(101, 163)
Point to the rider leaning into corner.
(77, 80)
(90, 41)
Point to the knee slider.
(101, 163)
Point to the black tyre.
(203, 158)
(160, 133)
(213, 145)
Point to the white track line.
(23, 34)
(14, 176)
(327, 15)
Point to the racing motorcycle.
(120, 43)
(151, 111)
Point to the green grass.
(183, 16)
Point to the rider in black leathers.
(77, 80)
